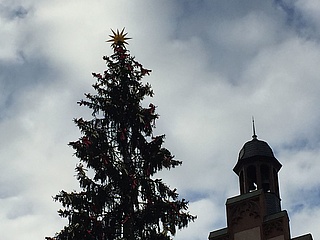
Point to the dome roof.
(255, 147)
(256, 151)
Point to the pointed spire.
(254, 136)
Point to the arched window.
(252, 178)
(242, 186)
(276, 183)
(265, 178)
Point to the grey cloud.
(215, 64)
(21, 77)
(10, 188)
(300, 20)
(11, 11)
(19, 209)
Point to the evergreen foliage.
(122, 199)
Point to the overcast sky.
(215, 65)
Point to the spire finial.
(254, 136)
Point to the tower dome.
(255, 147)
(256, 150)
(257, 167)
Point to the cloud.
(215, 64)
(11, 12)
(301, 16)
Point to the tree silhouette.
(118, 157)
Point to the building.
(256, 213)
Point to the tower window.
(276, 183)
(242, 186)
(252, 178)
(265, 178)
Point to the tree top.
(118, 38)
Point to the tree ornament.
(118, 38)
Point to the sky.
(215, 64)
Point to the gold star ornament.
(118, 38)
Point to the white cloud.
(215, 64)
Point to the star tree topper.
(118, 38)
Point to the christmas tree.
(118, 156)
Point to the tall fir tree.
(122, 199)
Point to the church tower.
(256, 213)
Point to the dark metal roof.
(304, 237)
(218, 233)
(256, 150)
(255, 147)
